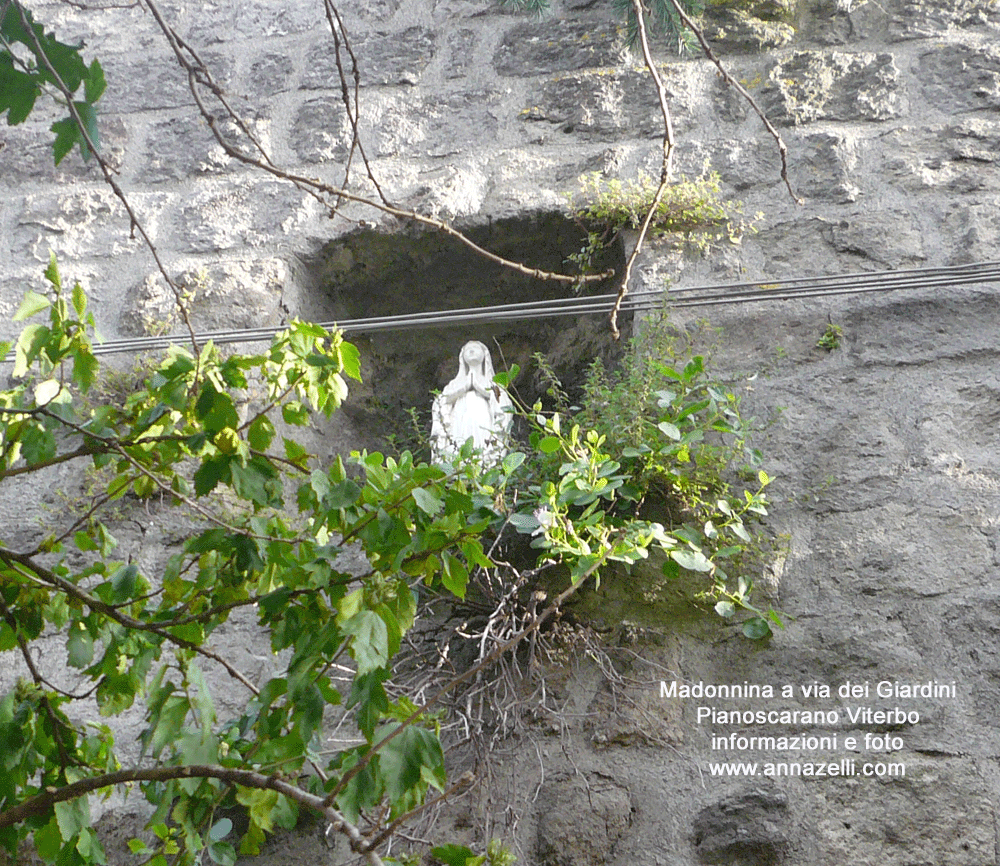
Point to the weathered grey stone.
(164, 83)
(382, 59)
(581, 819)
(26, 154)
(898, 821)
(72, 224)
(828, 22)
(320, 130)
(179, 148)
(371, 10)
(798, 248)
(830, 85)
(825, 167)
(236, 216)
(393, 125)
(271, 74)
(461, 47)
(976, 231)
(956, 78)
(915, 19)
(225, 295)
(604, 105)
(215, 22)
(757, 26)
(962, 157)
(887, 238)
(750, 829)
(561, 45)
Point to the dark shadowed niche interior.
(369, 273)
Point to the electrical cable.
(689, 296)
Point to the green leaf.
(210, 473)
(455, 576)
(32, 304)
(261, 433)
(222, 853)
(18, 92)
(756, 628)
(512, 461)
(692, 560)
(85, 367)
(79, 646)
(406, 757)
(457, 855)
(427, 501)
(351, 359)
(370, 646)
(125, 583)
(670, 430)
(220, 829)
(94, 84)
(47, 391)
(725, 608)
(72, 816)
(526, 524)
(549, 444)
(88, 114)
(67, 135)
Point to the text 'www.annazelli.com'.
(810, 769)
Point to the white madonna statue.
(472, 406)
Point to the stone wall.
(885, 449)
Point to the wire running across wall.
(692, 296)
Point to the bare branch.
(40, 804)
(199, 75)
(466, 675)
(732, 82)
(110, 180)
(665, 166)
(27, 566)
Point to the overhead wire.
(672, 298)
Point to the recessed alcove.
(369, 273)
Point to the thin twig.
(108, 173)
(665, 166)
(739, 88)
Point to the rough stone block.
(581, 819)
(915, 19)
(179, 148)
(83, 223)
(963, 157)
(759, 27)
(154, 80)
(320, 130)
(976, 231)
(218, 21)
(957, 78)
(26, 153)
(750, 828)
(545, 47)
(269, 75)
(461, 47)
(607, 105)
(370, 10)
(941, 812)
(235, 215)
(398, 58)
(888, 238)
(225, 295)
(830, 85)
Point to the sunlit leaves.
(52, 66)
